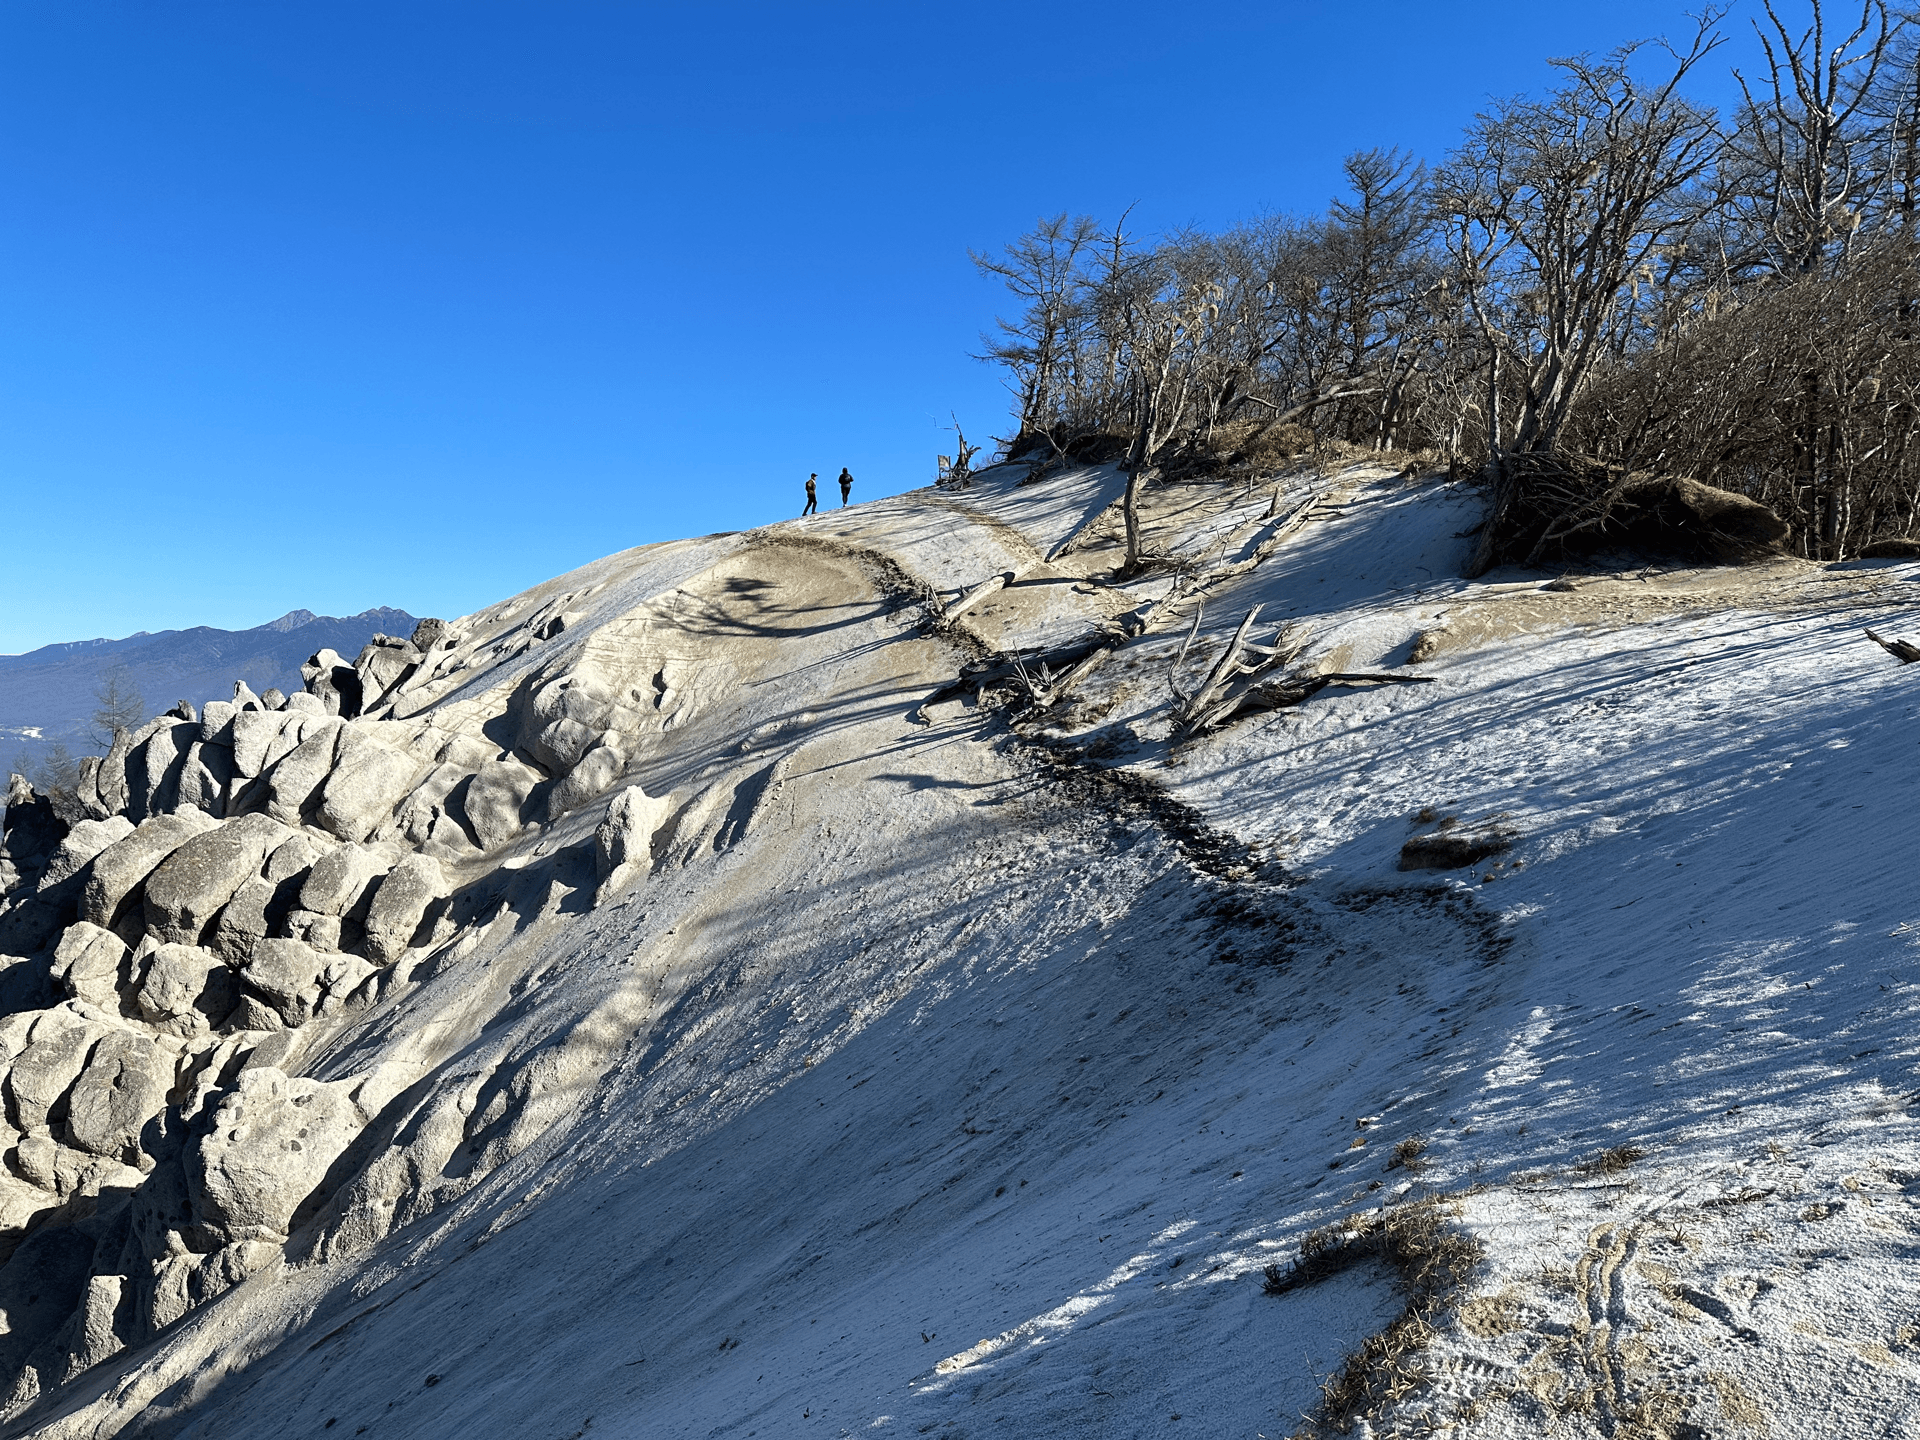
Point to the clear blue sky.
(417, 303)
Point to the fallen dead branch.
(1041, 679)
(1041, 686)
(1213, 704)
(1099, 518)
(1276, 533)
(1061, 688)
(1902, 650)
(978, 593)
(1286, 691)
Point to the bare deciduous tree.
(1811, 163)
(1041, 268)
(1599, 286)
(1551, 208)
(120, 705)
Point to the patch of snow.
(960, 1096)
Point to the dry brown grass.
(1257, 443)
(1612, 1162)
(1406, 1155)
(1434, 1261)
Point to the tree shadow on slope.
(750, 612)
(964, 918)
(1450, 718)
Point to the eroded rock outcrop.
(116, 877)
(186, 892)
(497, 799)
(401, 906)
(123, 1087)
(183, 989)
(623, 843)
(92, 964)
(229, 885)
(267, 1151)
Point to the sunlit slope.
(956, 1067)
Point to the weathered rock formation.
(230, 883)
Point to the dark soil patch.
(1451, 849)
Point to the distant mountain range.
(47, 696)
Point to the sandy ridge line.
(1014, 538)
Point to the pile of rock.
(211, 886)
(176, 932)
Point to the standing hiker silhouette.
(846, 485)
(813, 500)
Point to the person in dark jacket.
(813, 500)
(846, 485)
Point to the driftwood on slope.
(1905, 651)
(1216, 703)
(1284, 691)
(1273, 532)
(973, 597)
(1205, 707)
(1042, 680)
(1036, 678)
(1059, 688)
